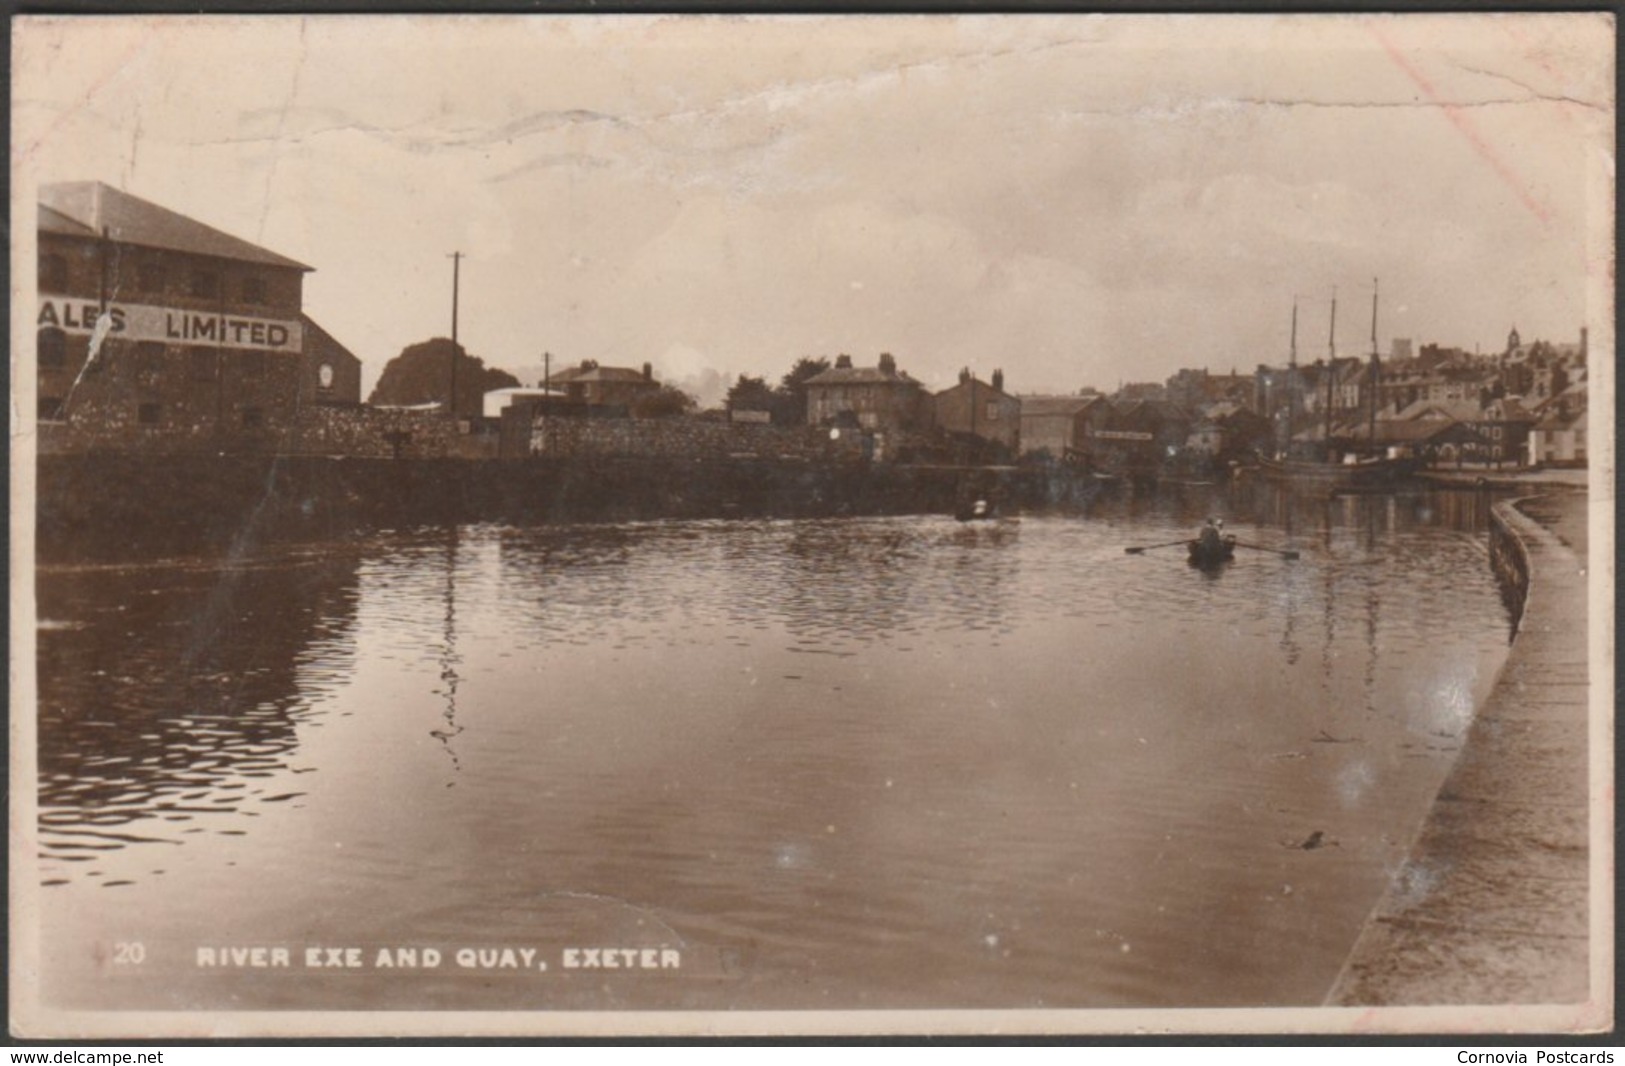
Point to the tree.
(750, 394)
(422, 374)
(790, 398)
(669, 402)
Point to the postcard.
(747, 524)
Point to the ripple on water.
(917, 762)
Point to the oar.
(1261, 548)
(1170, 544)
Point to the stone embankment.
(1492, 906)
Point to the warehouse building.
(153, 327)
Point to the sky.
(1078, 200)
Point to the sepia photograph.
(739, 525)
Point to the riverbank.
(101, 505)
(1515, 479)
(1492, 906)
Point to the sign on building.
(169, 325)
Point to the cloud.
(1073, 199)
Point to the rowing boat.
(1215, 551)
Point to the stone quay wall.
(348, 431)
(1493, 906)
(1510, 561)
(691, 438)
(92, 505)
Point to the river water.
(890, 762)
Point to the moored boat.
(1358, 475)
(978, 510)
(1351, 472)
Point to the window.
(53, 273)
(253, 364)
(992, 410)
(147, 414)
(203, 364)
(324, 377)
(149, 362)
(205, 284)
(254, 290)
(151, 277)
(52, 349)
(50, 409)
(253, 417)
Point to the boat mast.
(1376, 367)
(1291, 375)
(1331, 372)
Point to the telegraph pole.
(456, 263)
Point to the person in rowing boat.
(1210, 541)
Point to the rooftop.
(86, 208)
(595, 373)
(885, 374)
(1051, 406)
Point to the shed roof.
(1055, 406)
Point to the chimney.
(998, 380)
(964, 376)
(648, 372)
(888, 365)
(843, 362)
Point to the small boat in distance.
(974, 511)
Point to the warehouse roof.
(86, 208)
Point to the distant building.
(981, 409)
(1194, 389)
(1056, 424)
(1140, 390)
(151, 325)
(498, 400)
(872, 398)
(1559, 441)
(1136, 437)
(604, 386)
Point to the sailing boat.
(1371, 472)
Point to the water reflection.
(170, 694)
(449, 657)
(862, 762)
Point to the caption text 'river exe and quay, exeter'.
(425, 958)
